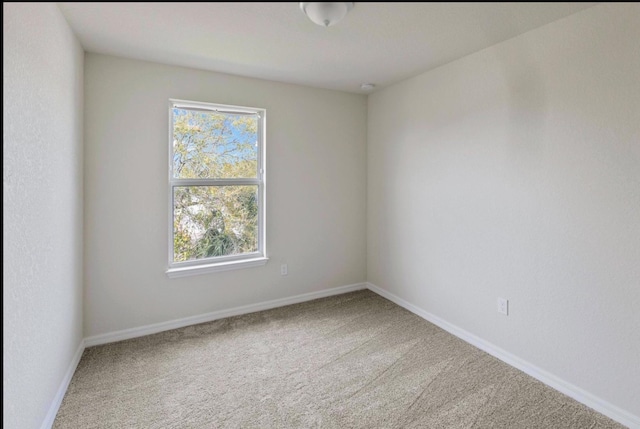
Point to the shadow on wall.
(526, 102)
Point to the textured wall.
(515, 172)
(316, 193)
(42, 208)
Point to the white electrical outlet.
(284, 270)
(503, 306)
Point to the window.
(216, 187)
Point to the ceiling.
(380, 43)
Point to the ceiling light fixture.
(326, 14)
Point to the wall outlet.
(284, 270)
(503, 306)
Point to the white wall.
(515, 172)
(316, 191)
(42, 208)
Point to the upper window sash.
(226, 148)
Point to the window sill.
(214, 268)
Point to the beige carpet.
(350, 361)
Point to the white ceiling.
(380, 43)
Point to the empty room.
(321, 215)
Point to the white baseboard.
(57, 400)
(580, 395)
(141, 331)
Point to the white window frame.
(219, 263)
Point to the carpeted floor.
(349, 361)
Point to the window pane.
(212, 145)
(210, 221)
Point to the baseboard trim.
(62, 390)
(141, 331)
(575, 392)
